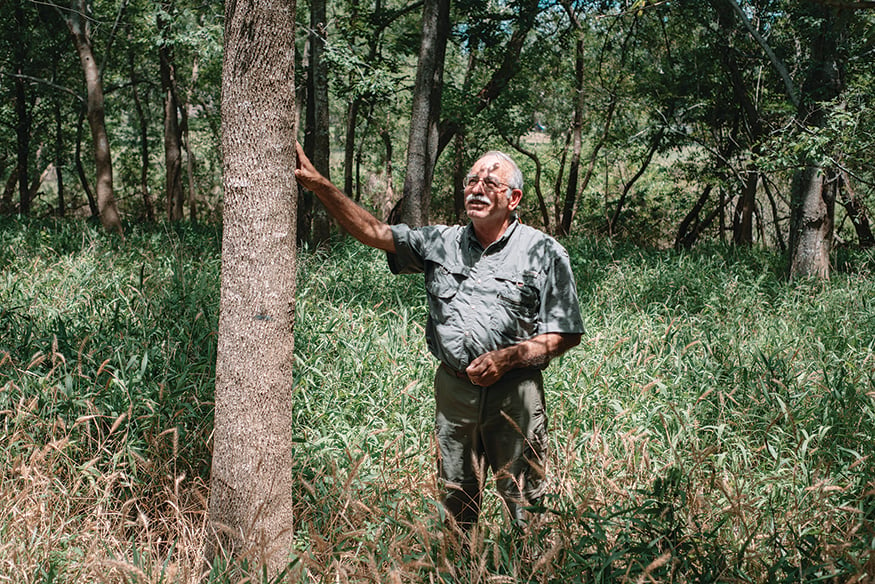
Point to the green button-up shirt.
(481, 300)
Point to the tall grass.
(716, 424)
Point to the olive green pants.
(502, 428)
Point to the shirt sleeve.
(560, 308)
(409, 250)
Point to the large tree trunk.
(251, 503)
(106, 206)
(812, 227)
(422, 146)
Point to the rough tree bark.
(251, 499)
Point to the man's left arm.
(535, 352)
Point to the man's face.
(487, 195)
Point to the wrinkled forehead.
(488, 165)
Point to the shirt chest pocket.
(520, 294)
(443, 282)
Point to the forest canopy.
(660, 123)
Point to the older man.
(502, 304)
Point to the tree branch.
(45, 82)
(776, 62)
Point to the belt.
(454, 373)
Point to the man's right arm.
(356, 220)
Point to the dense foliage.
(656, 122)
(716, 424)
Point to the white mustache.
(475, 198)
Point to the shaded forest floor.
(716, 424)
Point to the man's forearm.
(356, 220)
(540, 350)
(535, 352)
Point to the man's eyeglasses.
(490, 183)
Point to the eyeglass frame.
(472, 179)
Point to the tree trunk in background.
(576, 139)
(174, 195)
(814, 191)
(190, 159)
(422, 146)
(59, 158)
(313, 223)
(22, 112)
(251, 503)
(857, 213)
(743, 230)
(148, 207)
(812, 229)
(106, 207)
(80, 168)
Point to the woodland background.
(662, 123)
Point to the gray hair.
(516, 175)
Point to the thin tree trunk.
(317, 139)
(174, 194)
(774, 206)
(349, 148)
(59, 158)
(654, 146)
(6, 204)
(148, 207)
(80, 168)
(251, 486)
(687, 232)
(542, 204)
(743, 233)
(190, 158)
(557, 187)
(422, 148)
(857, 212)
(501, 77)
(106, 206)
(22, 112)
(576, 139)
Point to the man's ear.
(516, 196)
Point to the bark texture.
(251, 483)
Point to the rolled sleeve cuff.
(405, 260)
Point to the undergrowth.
(717, 423)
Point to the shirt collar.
(500, 242)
